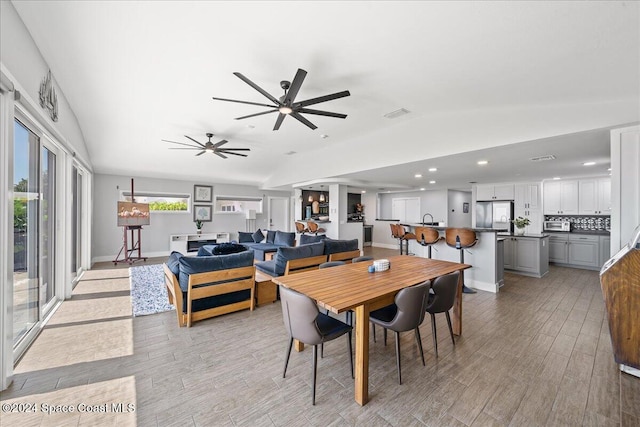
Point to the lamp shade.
(251, 214)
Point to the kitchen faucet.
(426, 215)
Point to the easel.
(135, 243)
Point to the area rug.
(148, 291)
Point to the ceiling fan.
(285, 105)
(209, 147)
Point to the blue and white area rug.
(148, 291)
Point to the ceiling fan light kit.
(286, 105)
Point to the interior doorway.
(279, 213)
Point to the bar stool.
(313, 228)
(461, 239)
(395, 233)
(406, 236)
(427, 236)
(300, 228)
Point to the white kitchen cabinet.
(594, 196)
(560, 197)
(190, 243)
(495, 192)
(527, 205)
(527, 255)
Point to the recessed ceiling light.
(588, 163)
(556, 178)
(422, 189)
(432, 182)
(418, 175)
(483, 162)
(363, 191)
(433, 169)
(609, 169)
(324, 136)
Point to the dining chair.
(362, 258)
(306, 324)
(405, 314)
(441, 301)
(330, 264)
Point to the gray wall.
(455, 216)
(107, 236)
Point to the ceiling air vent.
(290, 153)
(543, 158)
(397, 113)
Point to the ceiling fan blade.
(301, 119)
(295, 86)
(279, 121)
(201, 153)
(220, 154)
(322, 99)
(241, 102)
(181, 143)
(192, 148)
(200, 144)
(235, 149)
(236, 154)
(258, 88)
(321, 113)
(257, 114)
(219, 143)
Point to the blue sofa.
(261, 244)
(206, 286)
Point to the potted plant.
(199, 225)
(520, 224)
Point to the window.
(160, 202)
(236, 204)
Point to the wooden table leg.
(298, 345)
(362, 355)
(457, 308)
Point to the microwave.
(557, 226)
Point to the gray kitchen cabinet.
(605, 249)
(584, 250)
(527, 255)
(559, 248)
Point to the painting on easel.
(133, 214)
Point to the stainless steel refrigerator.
(495, 215)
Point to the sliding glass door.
(34, 200)
(76, 221)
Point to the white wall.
(455, 215)
(625, 185)
(433, 201)
(107, 236)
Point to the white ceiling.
(504, 80)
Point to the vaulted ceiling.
(473, 76)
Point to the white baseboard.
(481, 286)
(112, 257)
(385, 245)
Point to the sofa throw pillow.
(334, 246)
(228, 248)
(285, 254)
(271, 236)
(305, 239)
(285, 239)
(258, 236)
(192, 265)
(174, 262)
(245, 237)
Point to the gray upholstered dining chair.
(329, 264)
(362, 258)
(405, 314)
(441, 301)
(306, 324)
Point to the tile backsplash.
(583, 222)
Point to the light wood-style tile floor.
(537, 353)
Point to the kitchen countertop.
(504, 235)
(589, 232)
(477, 229)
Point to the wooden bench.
(267, 291)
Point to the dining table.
(353, 287)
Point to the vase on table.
(519, 231)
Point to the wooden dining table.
(352, 287)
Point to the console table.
(190, 243)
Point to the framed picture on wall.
(202, 193)
(465, 207)
(202, 213)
